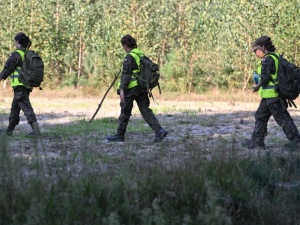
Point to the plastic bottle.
(255, 77)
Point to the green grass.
(137, 189)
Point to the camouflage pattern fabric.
(143, 102)
(21, 101)
(277, 108)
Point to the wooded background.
(199, 44)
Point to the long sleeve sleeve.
(268, 68)
(11, 64)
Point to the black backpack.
(288, 76)
(149, 76)
(32, 72)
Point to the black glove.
(118, 91)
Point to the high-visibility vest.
(270, 90)
(136, 54)
(14, 77)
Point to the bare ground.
(195, 127)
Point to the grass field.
(200, 174)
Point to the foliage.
(80, 40)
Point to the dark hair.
(264, 41)
(129, 41)
(23, 40)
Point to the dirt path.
(206, 127)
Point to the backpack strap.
(291, 103)
(151, 95)
(159, 88)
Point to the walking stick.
(99, 105)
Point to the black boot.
(160, 135)
(116, 138)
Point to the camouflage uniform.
(277, 108)
(21, 94)
(143, 102)
(134, 94)
(271, 106)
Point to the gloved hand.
(118, 91)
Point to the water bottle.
(255, 77)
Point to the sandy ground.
(206, 127)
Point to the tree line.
(199, 44)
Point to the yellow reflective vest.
(14, 77)
(136, 54)
(270, 90)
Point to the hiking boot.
(115, 138)
(160, 135)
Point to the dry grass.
(89, 92)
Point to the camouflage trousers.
(143, 103)
(21, 101)
(277, 108)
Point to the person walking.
(130, 91)
(271, 103)
(21, 92)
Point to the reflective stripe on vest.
(14, 77)
(269, 91)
